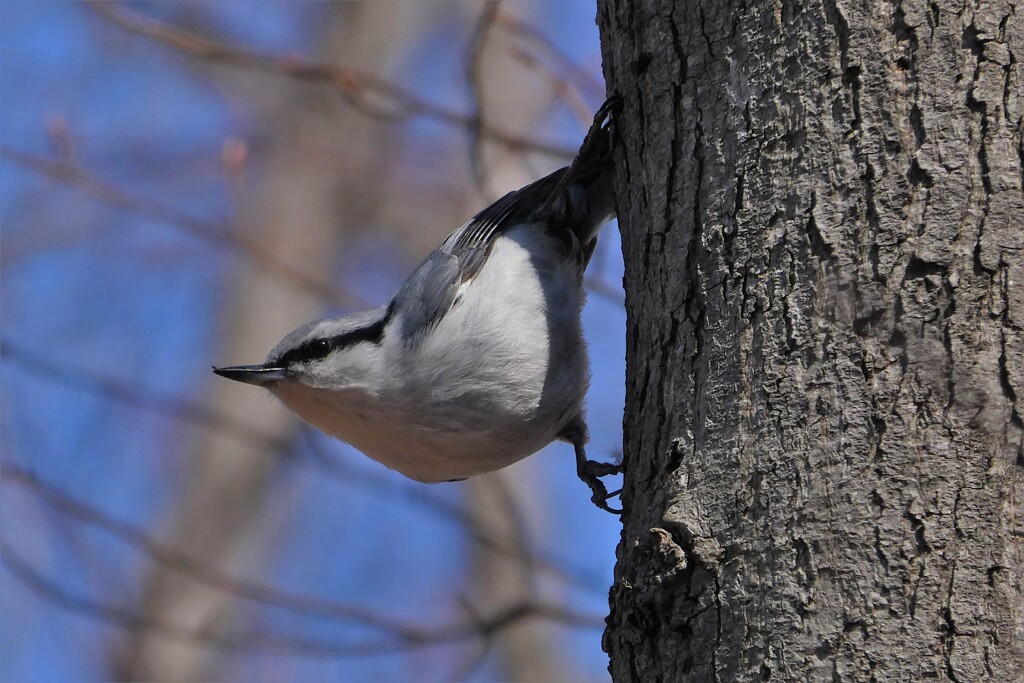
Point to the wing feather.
(430, 291)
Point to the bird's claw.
(591, 472)
(608, 111)
(600, 498)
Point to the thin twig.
(474, 72)
(143, 399)
(215, 234)
(366, 92)
(533, 36)
(262, 641)
(174, 559)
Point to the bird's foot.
(590, 472)
(611, 108)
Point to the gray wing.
(430, 291)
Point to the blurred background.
(183, 183)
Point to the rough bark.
(822, 212)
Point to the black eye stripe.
(316, 349)
(304, 353)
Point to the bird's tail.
(584, 200)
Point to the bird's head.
(336, 354)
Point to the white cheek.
(329, 411)
(357, 367)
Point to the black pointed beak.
(252, 374)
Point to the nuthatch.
(479, 359)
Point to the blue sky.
(90, 291)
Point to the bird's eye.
(319, 348)
(315, 349)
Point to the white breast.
(515, 376)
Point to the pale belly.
(433, 442)
(496, 380)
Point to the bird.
(479, 359)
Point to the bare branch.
(143, 399)
(174, 559)
(475, 51)
(369, 94)
(303, 605)
(604, 289)
(263, 641)
(215, 234)
(532, 36)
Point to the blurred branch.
(561, 86)
(215, 234)
(474, 72)
(524, 653)
(369, 94)
(293, 208)
(303, 605)
(472, 664)
(512, 549)
(606, 290)
(531, 35)
(263, 641)
(143, 399)
(171, 557)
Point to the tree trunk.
(823, 230)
